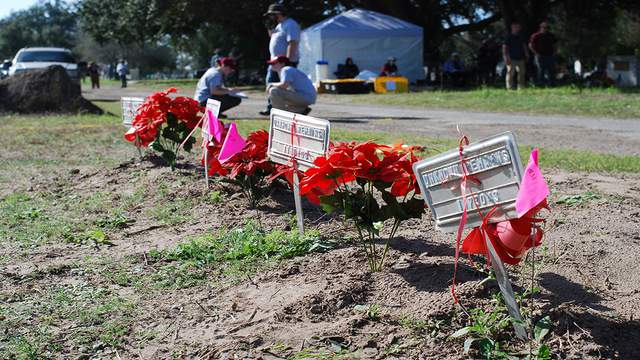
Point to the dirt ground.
(587, 271)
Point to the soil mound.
(48, 90)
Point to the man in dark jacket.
(542, 45)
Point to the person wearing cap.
(295, 91)
(284, 40)
(389, 68)
(210, 85)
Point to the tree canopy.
(588, 29)
(45, 24)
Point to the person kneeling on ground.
(295, 91)
(210, 86)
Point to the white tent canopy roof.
(369, 38)
(365, 23)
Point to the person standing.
(94, 74)
(123, 69)
(295, 91)
(284, 40)
(455, 70)
(487, 57)
(210, 86)
(542, 45)
(515, 56)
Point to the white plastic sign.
(130, 107)
(494, 162)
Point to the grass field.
(561, 101)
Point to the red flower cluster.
(347, 162)
(154, 111)
(251, 159)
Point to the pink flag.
(212, 127)
(533, 189)
(233, 144)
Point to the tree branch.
(472, 26)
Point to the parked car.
(41, 57)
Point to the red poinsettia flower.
(286, 172)
(404, 179)
(328, 174)
(154, 111)
(213, 164)
(253, 157)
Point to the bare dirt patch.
(115, 298)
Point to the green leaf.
(172, 120)
(157, 146)
(543, 352)
(189, 144)
(542, 328)
(169, 133)
(468, 343)
(461, 332)
(169, 156)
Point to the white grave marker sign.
(130, 107)
(309, 141)
(214, 107)
(494, 162)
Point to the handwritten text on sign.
(311, 138)
(494, 162)
(130, 107)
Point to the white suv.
(41, 57)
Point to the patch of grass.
(171, 212)
(421, 327)
(88, 318)
(579, 199)
(246, 243)
(561, 101)
(230, 253)
(25, 220)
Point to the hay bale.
(48, 90)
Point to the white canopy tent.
(366, 36)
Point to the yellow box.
(391, 84)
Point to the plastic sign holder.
(495, 163)
(130, 106)
(214, 107)
(297, 140)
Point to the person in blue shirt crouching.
(210, 86)
(295, 91)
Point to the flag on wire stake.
(233, 144)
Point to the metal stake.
(298, 202)
(507, 291)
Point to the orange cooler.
(391, 85)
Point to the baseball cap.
(275, 9)
(228, 61)
(278, 59)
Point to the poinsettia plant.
(370, 184)
(250, 168)
(163, 123)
